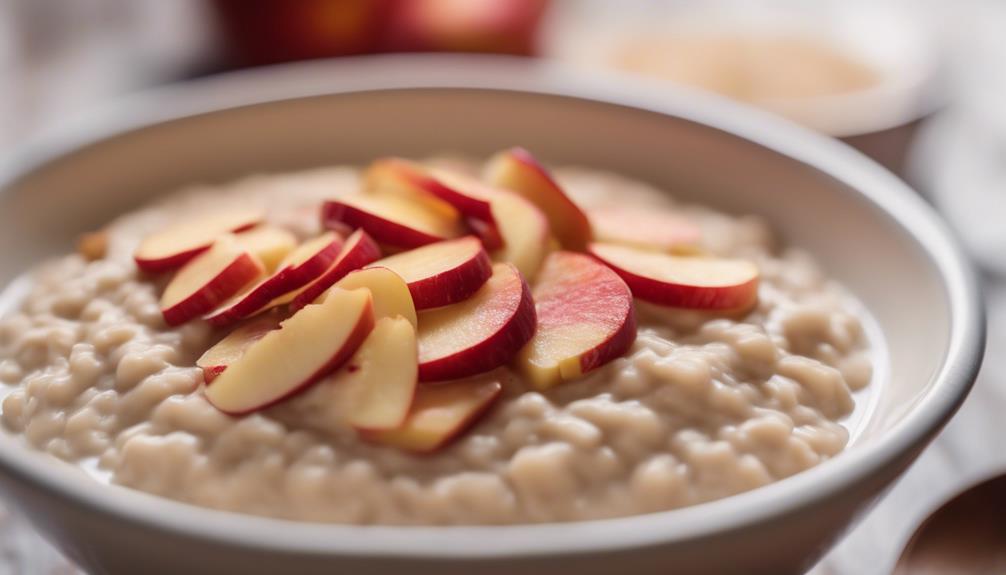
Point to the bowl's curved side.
(902, 261)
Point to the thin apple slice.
(439, 415)
(462, 193)
(480, 333)
(210, 278)
(311, 258)
(645, 227)
(309, 345)
(685, 282)
(525, 233)
(229, 349)
(269, 243)
(585, 320)
(490, 234)
(442, 273)
(391, 293)
(173, 246)
(516, 169)
(358, 250)
(300, 267)
(470, 196)
(392, 219)
(410, 181)
(381, 377)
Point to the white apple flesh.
(393, 220)
(301, 266)
(646, 228)
(439, 414)
(209, 279)
(705, 283)
(358, 250)
(480, 333)
(524, 231)
(173, 246)
(269, 243)
(391, 293)
(585, 320)
(517, 170)
(381, 377)
(442, 273)
(229, 349)
(308, 346)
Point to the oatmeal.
(700, 404)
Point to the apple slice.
(470, 196)
(312, 343)
(490, 234)
(177, 244)
(686, 282)
(358, 251)
(410, 181)
(647, 228)
(442, 273)
(210, 278)
(391, 293)
(301, 266)
(516, 169)
(439, 415)
(269, 243)
(525, 233)
(480, 333)
(393, 220)
(229, 349)
(311, 258)
(381, 377)
(585, 320)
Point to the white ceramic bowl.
(865, 226)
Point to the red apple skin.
(336, 215)
(509, 27)
(447, 288)
(251, 332)
(421, 181)
(473, 199)
(487, 232)
(283, 281)
(604, 285)
(473, 417)
(568, 222)
(358, 251)
(452, 285)
(262, 32)
(470, 196)
(360, 332)
(732, 298)
(249, 303)
(645, 228)
(226, 284)
(156, 266)
(492, 352)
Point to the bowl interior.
(854, 240)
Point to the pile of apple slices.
(476, 274)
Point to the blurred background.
(918, 85)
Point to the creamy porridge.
(702, 404)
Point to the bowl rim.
(947, 389)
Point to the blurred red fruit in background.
(257, 32)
